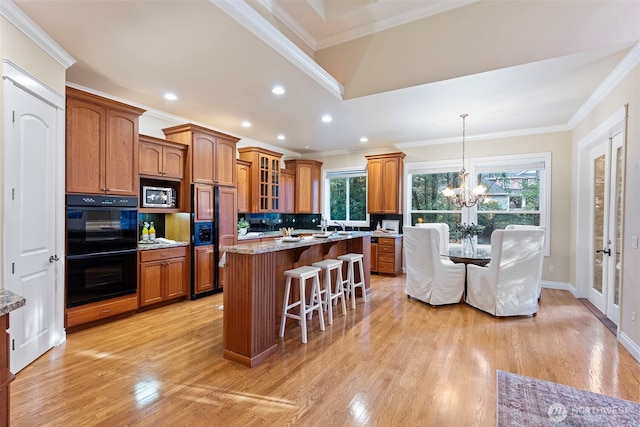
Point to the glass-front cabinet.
(265, 178)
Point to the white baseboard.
(559, 285)
(627, 343)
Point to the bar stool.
(302, 274)
(331, 297)
(350, 289)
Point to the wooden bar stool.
(331, 297)
(315, 303)
(351, 285)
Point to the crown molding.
(290, 23)
(261, 28)
(625, 66)
(482, 137)
(22, 22)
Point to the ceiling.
(399, 72)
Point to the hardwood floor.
(392, 361)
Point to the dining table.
(480, 257)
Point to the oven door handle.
(100, 254)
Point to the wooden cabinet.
(243, 174)
(227, 222)
(101, 310)
(101, 145)
(287, 190)
(374, 257)
(213, 154)
(204, 202)
(307, 185)
(203, 269)
(264, 179)
(160, 158)
(384, 183)
(163, 274)
(390, 255)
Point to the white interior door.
(29, 216)
(607, 176)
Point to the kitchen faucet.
(341, 224)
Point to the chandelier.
(463, 196)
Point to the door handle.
(606, 251)
(53, 258)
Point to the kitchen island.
(254, 293)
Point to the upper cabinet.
(307, 185)
(264, 178)
(101, 145)
(384, 183)
(287, 190)
(243, 175)
(161, 159)
(213, 154)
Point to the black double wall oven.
(102, 241)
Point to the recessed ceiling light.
(327, 118)
(246, 124)
(364, 139)
(307, 146)
(278, 90)
(170, 96)
(281, 137)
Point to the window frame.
(473, 166)
(344, 173)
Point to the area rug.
(524, 401)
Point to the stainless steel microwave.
(158, 197)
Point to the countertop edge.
(279, 245)
(10, 301)
(151, 246)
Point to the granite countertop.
(10, 301)
(280, 245)
(263, 234)
(160, 243)
(383, 234)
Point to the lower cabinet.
(101, 310)
(390, 255)
(374, 255)
(163, 275)
(203, 274)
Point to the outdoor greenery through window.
(347, 196)
(516, 193)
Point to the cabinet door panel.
(173, 162)
(374, 194)
(390, 181)
(225, 163)
(204, 203)
(203, 278)
(150, 161)
(174, 275)
(243, 177)
(202, 160)
(374, 257)
(121, 153)
(151, 282)
(85, 147)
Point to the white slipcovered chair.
(530, 227)
(508, 285)
(443, 229)
(428, 278)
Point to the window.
(517, 192)
(346, 197)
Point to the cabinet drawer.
(101, 310)
(386, 249)
(158, 254)
(386, 267)
(391, 258)
(386, 241)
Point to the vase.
(470, 246)
(242, 231)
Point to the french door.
(607, 178)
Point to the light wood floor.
(393, 361)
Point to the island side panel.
(249, 334)
(362, 246)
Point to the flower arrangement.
(243, 223)
(463, 231)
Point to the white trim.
(495, 135)
(361, 171)
(628, 343)
(246, 16)
(290, 22)
(22, 22)
(625, 66)
(612, 125)
(32, 85)
(564, 286)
